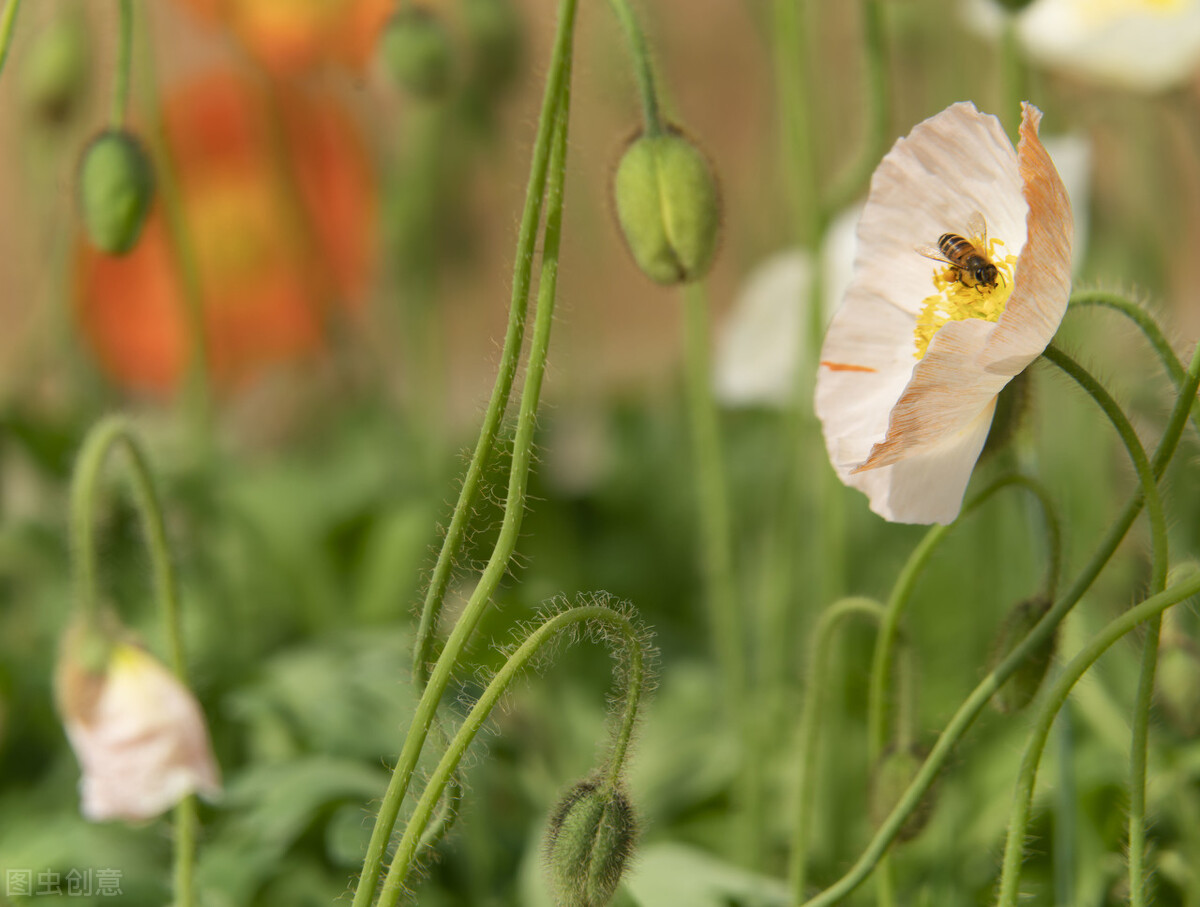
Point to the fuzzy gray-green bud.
(417, 52)
(893, 773)
(591, 837)
(1018, 691)
(116, 189)
(668, 207)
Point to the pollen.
(955, 301)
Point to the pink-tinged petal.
(138, 733)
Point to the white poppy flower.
(1146, 45)
(139, 733)
(918, 351)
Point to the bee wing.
(932, 252)
(977, 231)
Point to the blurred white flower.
(918, 351)
(1146, 45)
(139, 734)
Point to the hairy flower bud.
(1178, 681)
(494, 31)
(893, 773)
(589, 842)
(416, 50)
(1018, 691)
(116, 188)
(54, 69)
(668, 207)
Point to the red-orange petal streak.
(846, 367)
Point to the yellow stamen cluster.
(955, 301)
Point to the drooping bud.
(668, 207)
(893, 773)
(138, 733)
(1012, 404)
(1018, 691)
(588, 844)
(417, 52)
(1178, 681)
(54, 69)
(116, 188)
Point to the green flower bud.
(116, 188)
(54, 69)
(1018, 691)
(668, 207)
(893, 773)
(494, 31)
(417, 52)
(1011, 406)
(1178, 681)
(589, 842)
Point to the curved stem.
(977, 700)
(120, 102)
(1158, 578)
(107, 435)
(8, 21)
(1137, 453)
(509, 358)
(1151, 608)
(810, 722)
(558, 81)
(1145, 322)
(409, 844)
(642, 65)
(1012, 75)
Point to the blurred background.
(351, 246)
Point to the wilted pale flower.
(1146, 45)
(138, 733)
(915, 356)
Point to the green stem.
(514, 509)
(8, 21)
(120, 101)
(1064, 814)
(1158, 578)
(796, 99)
(1151, 608)
(877, 103)
(408, 848)
(514, 336)
(110, 433)
(977, 700)
(642, 65)
(815, 686)
(1137, 453)
(1145, 322)
(716, 549)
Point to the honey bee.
(967, 258)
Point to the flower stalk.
(643, 68)
(554, 118)
(8, 22)
(120, 101)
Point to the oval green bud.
(417, 52)
(893, 773)
(1178, 681)
(588, 844)
(494, 32)
(116, 189)
(54, 69)
(1018, 691)
(668, 207)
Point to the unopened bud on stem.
(416, 50)
(116, 189)
(1018, 691)
(589, 842)
(668, 207)
(893, 773)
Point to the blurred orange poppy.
(287, 36)
(276, 198)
